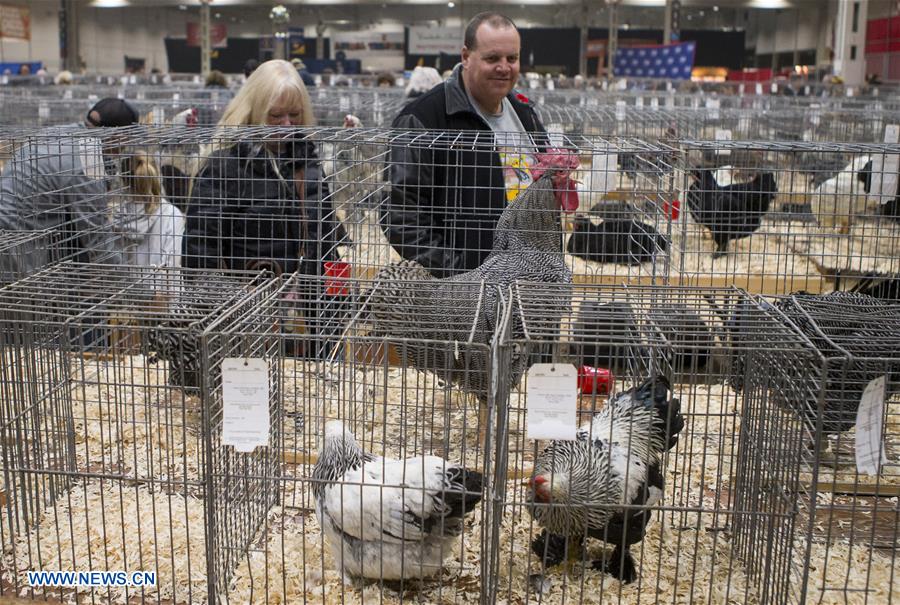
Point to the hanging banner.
(434, 40)
(15, 22)
(218, 35)
(673, 62)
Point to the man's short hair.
(492, 18)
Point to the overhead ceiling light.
(109, 3)
(451, 4)
(715, 9)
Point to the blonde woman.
(151, 227)
(259, 199)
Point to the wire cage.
(849, 412)
(407, 375)
(780, 217)
(111, 397)
(180, 195)
(697, 526)
(16, 245)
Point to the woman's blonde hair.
(251, 105)
(142, 179)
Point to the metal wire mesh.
(848, 512)
(109, 397)
(713, 535)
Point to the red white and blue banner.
(673, 61)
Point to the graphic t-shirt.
(514, 145)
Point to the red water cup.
(672, 209)
(595, 380)
(336, 274)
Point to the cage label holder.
(870, 454)
(245, 403)
(552, 401)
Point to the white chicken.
(836, 201)
(389, 519)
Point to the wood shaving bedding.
(687, 554)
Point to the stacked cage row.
(115, 408)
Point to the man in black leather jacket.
(448, 188)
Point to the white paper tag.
(196, 79)
(132, 79)
(713, 106)
(4, 80)
(552, 400)
(602, 178)
(758, 88)
(176, 96)
(620, 111)
(669, 86)
(158, 116)
(43, 110)
(885, 168)
(654, 102)
(593, 102)
(723, 134)
(744, 126)
(532, 84)
(639, 101)
(551, 85)
(91, 154)
(741, 90)
(67, 94)
(869, 419)
(557, 135)
(670, 102)
(140, 95)
(774, 88)
(850, 91)
(344, 104)
(245, 403)
(806, 90)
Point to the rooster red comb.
(564, 160)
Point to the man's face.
(492, 67)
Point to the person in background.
(151, 227)
(260, 199)
(250, 66)
(63, 183)
(421, 81)
(24, 69)
(63, 78)
(307, 77)
(385, 80)
(445, 202)
(257, 201)
(216, 79)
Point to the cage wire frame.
(847, 513)
(797, 218)
(717, 519)
(116, 437)
(356, 206)
(14, 245)
(397, 380)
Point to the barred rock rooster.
(406, 302)
(579, 487)
(730, 211)
(389, 519)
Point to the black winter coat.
(448, 191)
(245, 211)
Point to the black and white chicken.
(389, 519)
(730, 211)
(579, 487)
(407, 303)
